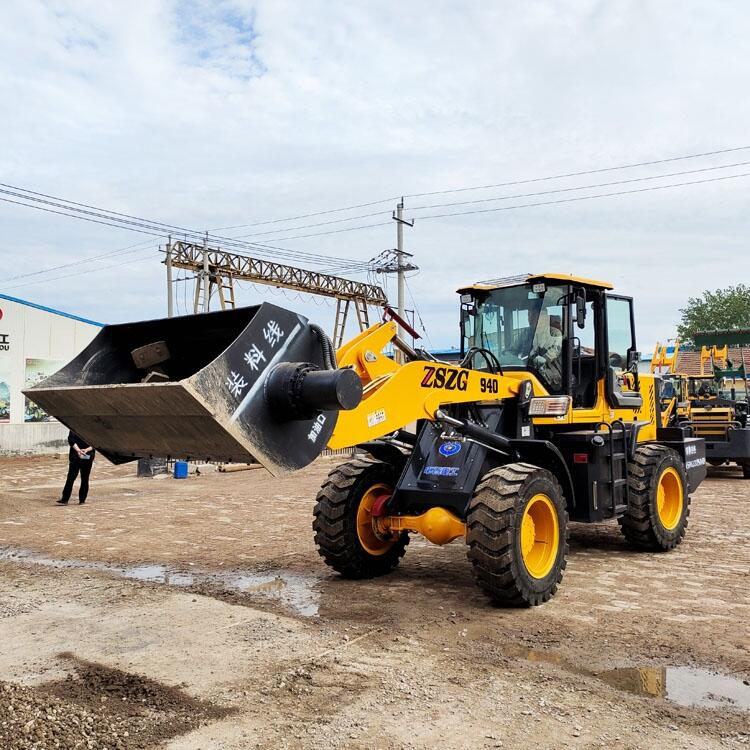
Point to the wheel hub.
(669, 500)
(368, 532)
(539, 536)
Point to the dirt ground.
(196, 614)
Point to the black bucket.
(195, 387)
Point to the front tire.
(659, 505)
(517, 535)
(345, 534)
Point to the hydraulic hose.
(329, 357)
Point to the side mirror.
(469, 304)
(469, 311)
(580, 311)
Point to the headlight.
(549, 406)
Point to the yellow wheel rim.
(669, 499)
(540, 536)
(366, 533)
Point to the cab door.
(621, 355)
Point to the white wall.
(30, 333)
(33, 438)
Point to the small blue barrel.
(180, 469)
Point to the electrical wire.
(419, 315)
(525, 205)
(87, 212)
(581, 173)
(87, 259)
(580, 187)
(336, 231)
(308, 216)
(71, 209)
(79, 272)
(586, 197)
(499, 198)
(318, 224)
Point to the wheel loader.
(714, 404)
(545, 420)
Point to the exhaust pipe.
(243, 385)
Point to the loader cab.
(572, 335)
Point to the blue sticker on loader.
(449, 449)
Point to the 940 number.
(488, 385)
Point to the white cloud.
(209, 114)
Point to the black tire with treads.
(640, 524)
(335, 520)
(494, 534)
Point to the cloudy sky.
(214, 114)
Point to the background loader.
(545, 420)
(714, 404)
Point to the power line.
(585, 197)
(500, 198)
(77, 273)
(336, 231)
(317, 224)
(487, 187)
(86, 212)
(579, 174)
(524, 205)
(581, 187)
(94, 221)
(308, 216)
(419, 315)
(87, 259)
(145, 226)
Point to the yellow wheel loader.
(714, 404)
(545, 420)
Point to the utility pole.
(205, 274)
(401, 266)
(170, 285)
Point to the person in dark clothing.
(80, 460)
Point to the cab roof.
(526, 278)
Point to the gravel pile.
(31, 720)
(97, 708)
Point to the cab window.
(619, 332)
(584, 368)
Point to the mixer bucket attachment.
(250, 384)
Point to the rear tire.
(344, 534)
(659, 506)
(746, 471)
(517, 535)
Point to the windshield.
(523, 329)
(667, 389)
(702, 388)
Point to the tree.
(719, 310)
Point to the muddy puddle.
(685, 686)
(295, 592)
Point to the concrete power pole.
(206, 300)
(401, 266)
(170, 290)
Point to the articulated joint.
(437, 525)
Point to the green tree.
(719, 310)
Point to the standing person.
(80, 459)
